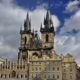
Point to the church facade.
(37, 59)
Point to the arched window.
(25, 39)
(47, 38)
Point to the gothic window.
(47, 38)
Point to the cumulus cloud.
(72, 23)
(37, 17)
(11, 19)
(70, 43)
(73, 6)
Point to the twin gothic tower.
(31, 44)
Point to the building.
(37, 59)
(69, 67)
(78, 73)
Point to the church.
(37, 58)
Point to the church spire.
(47, 20)
(27, 23)
(48, 23)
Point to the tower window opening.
(47, 38)
(25, 39)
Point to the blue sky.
(56, 7)
(66, 20)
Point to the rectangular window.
(58, 69)
(71, 77)
(57, 76)
(53, 76)
(53, 68)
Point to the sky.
(66, 20)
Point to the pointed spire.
(30, 24)
(48, 23)
(20, 28)
(27, 23)
(47, 15)
(47, 20)
(41, 25)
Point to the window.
(57, 76)
(36, 76)
(45, 76)
(53, 68)
(47, 38)
(5, 75)
(64, 75)
(24, 66)
(48, 76)
(1, 75)
(13, 73)
(70, 76)
(36, 68)
(17, 76)
(8, 67)
(58, 68)
(53, 76)
(21, 76)
(25, 76)
(9, 75)
(32, 75)
(25, 39)
(32, 69)
(70, 69)
(40, 68)
(64, 70)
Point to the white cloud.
(37, 17)
(72, 6)
(11, 19)
(70, 43)
(72, 23)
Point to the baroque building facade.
(37, 59)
